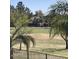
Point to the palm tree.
(26, 40)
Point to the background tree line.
(37, 20)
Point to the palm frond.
(26, 39)
(31, 39)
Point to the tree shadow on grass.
(52, 49)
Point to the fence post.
(46, 56)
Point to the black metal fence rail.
(35, 55)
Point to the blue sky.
(34, 5)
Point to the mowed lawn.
(33, 29)
(55, 46)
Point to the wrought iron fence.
(34, 55)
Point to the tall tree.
(59, 20)
(39, 13)
(38, 19)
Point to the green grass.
(39, 30)
(33, 29)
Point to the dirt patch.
(43, 36)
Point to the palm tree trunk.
(20, 46)
(27, 52)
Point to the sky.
(35, 5)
